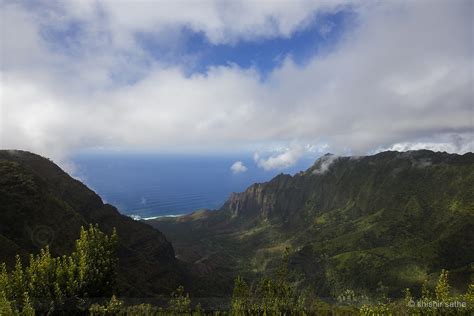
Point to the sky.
(277, 79)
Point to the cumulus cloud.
(238, 167)
(402, 75)
(285, 159)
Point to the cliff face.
(41, 205)
(255, 202)
(269, 201)
(352, 222)
(366, 183)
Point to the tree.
(442, 287)
(241, 296)
(94, 265)
(180, 303)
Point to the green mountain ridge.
(373, 224)
(42, 205)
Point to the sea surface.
(150, 185)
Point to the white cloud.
(221, 22)
(416, 146)
(404, 73)
(238, 167)
(289, 157)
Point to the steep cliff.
(387, 221)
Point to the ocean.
(149, 185)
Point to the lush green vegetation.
(374, 224)
(275, 296)
(68, 284)
(50, 284)
(361, 233)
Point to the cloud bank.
(74, 76)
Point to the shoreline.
(139, 218)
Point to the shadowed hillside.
(41, 205)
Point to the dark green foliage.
(266, 298)
(54, 283)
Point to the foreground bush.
(64, 284)
(49, 284)
(439, 302)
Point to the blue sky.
(264, 55)
(279, 80)
(182, 44)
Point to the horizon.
(150, 185)
(155, 184)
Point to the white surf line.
(139, 218)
